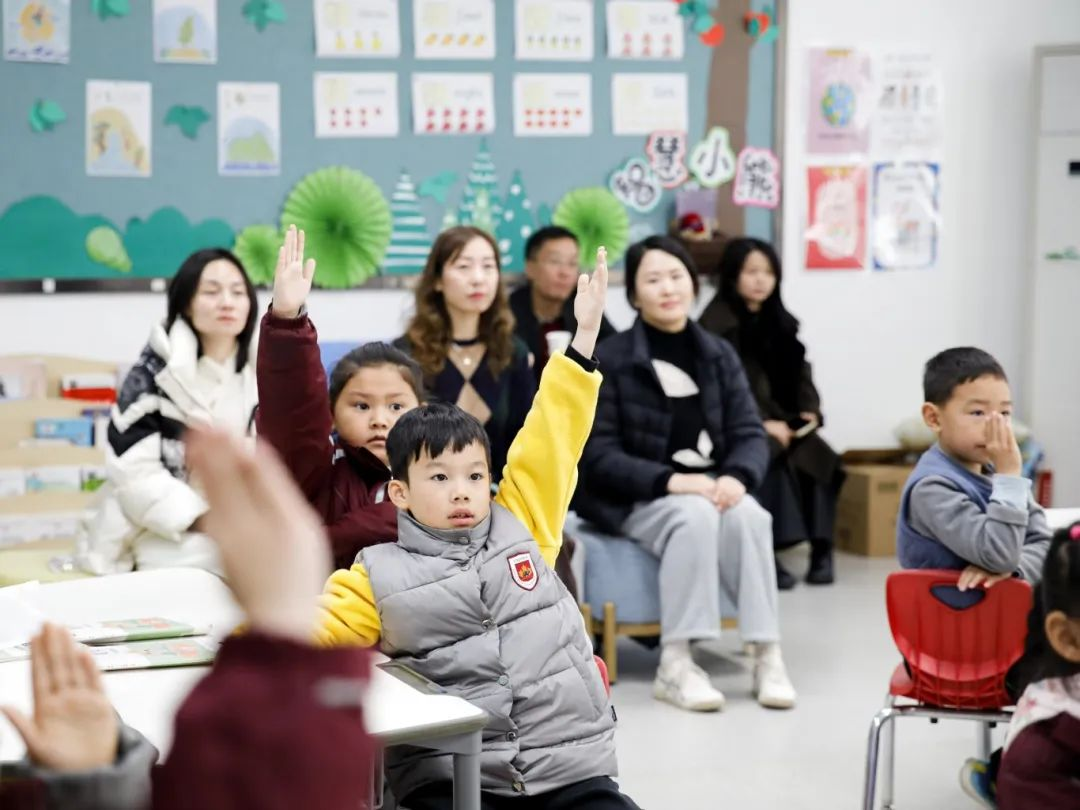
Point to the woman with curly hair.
(462, 335)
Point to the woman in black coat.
(804, 477)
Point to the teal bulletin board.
(84, 232)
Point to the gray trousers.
(712, 564)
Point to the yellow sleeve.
(347, 612)
(541, 465)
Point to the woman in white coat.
(198, 367)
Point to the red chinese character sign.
(836, 234)
(757, 178)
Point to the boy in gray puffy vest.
(966, 505)
(467, 595)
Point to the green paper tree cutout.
(110, 8)
(261, 13)
(409, 239)
(257, 249)
(189, 119)
(438, 187)
(515, 226)
(45, 115)
(482, 177)
(449, 220)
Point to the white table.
(394, 712)
(1060, 518)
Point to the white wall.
(869, 334)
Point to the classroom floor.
(840, 656)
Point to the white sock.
(674, 652)
(765, 650)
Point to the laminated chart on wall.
(552, 104)
(454, 29)
(554, 30)
(357, 29)
(642, 103)
(185, 31)
(836, 231)
(906, 215)
(908, 119)
(644, 29)
(453, 103)
(37, 30)
(356, 105)
(249, 129)
(118, 132)
(840, 103)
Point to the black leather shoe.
(785, 580)
(821, 565)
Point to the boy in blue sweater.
(966, 505)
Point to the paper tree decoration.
(110, 8)
(261, 13)
(515, 226)
(409, 239)
(45, 115)
(482, 176)
(449, 220)
(189, 119)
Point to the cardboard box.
(867, 509)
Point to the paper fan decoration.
(347, 224)
(596, 218)
(257, 248)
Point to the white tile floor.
(840, 656)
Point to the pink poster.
(836, 234)
(840, 102)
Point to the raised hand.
(1001, 446)
(292, 276)
(589, 305)
(74, 727)
(273, 546)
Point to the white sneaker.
(684, 684)
(772, 687)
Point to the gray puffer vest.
(481, 614)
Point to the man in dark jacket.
(544, 305)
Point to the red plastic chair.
(955, 658)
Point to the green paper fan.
(347, 224)
(104, 246)
(257, 248)
(596, 218)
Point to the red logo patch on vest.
(522, 570)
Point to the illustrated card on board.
(185, 31)
(453, 103)
(840, 103)
(357, 28)
(836, 234)
(552, 104)
(908, 117)
(356, 105)
(37, 30)
(906, 216)
(642, 103)
(118, 133)
(644, 29)
(757, 178)
(454, 29)
(249, 129)
(554, 30)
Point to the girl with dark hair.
(804, 477)
(345, 475)
(462, 335)
(194, 369)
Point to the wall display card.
(118, 133)
(16, 529)
(712, 162)
(644, 29)
(636, 186)
(666, 151)
(552, 104)
(12, 482)
(642, 103)
(906, 216)
(249, 129)
(453, 103)
(357, 29)
(757, 178)
(836, 234)
(554, 29)
(840, 102)
(185, 31)
(454, 29)
(908, 116)
(356, 105)
(37, 30)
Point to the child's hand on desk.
(589, 305)
(973, 576)
(273, 546)
(74, 727)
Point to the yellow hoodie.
(537, 485)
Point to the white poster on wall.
(905, 215)
(644, 29)
(37, 30)
(908, 112)
(454, 29)
(453, 103)
(642, 103)
(357, 29)
(185, 31)
(249, 129)
(118, 131)
(552, 104)
(554, 30)
(356, 105)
